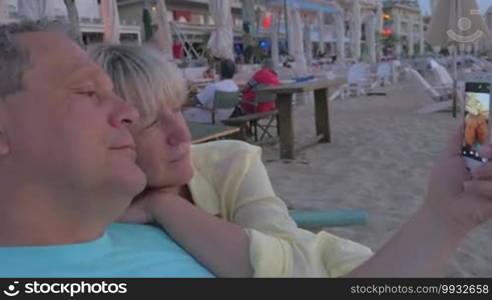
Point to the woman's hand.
(456, 203)
(460, 198)
(142, 210)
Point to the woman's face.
(163, 148)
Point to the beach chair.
(259, 122)
(396, 70)
(384, 74)
(442, 97)
(443, 79)
(359, 81)
(328, 218)
(338, 71)
(224, 100)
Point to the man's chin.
(132, 181)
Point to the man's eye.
(87, 93)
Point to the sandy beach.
(379, 161)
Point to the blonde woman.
(216, 199)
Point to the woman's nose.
(180, 133)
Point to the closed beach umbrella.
(111, 21)
(163, 37)
(4, 11)
(308, 49)
(379, 17)
(31, 9)
(421, 36)
(488, 23)
(274, 39)
(249, 16)
(456, 23)
(73, 18)
(411, 41)
(397, 31)
(340, 32)
(296, 45)
(321, 24)
(147, 24)
(222, 38)
(371, 38)
(356, 30)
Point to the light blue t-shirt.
(125, 250)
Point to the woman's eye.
(153, 123)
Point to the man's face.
(66, 128)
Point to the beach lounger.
(359, 81)
(440, 96)
(329, 218)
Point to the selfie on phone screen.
(477, 108)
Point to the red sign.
(386, 32)
(265, 22)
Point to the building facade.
(190, 17)
(404, 19)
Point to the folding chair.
(269, 116)
(224, 100)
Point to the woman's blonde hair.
(141, 76)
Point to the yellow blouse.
(230, 181)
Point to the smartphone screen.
(476, 119)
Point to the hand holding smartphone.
(476, 117)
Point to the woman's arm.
(421, 248)
(278, 248)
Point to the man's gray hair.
(15, 58)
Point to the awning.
(303, 5)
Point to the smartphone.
(476, 119)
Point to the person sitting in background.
(265, 76)
(209, 73)
(205, 99)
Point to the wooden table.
(285, 112)
(208, 132)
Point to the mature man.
(67, 167)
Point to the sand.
(379, 161)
